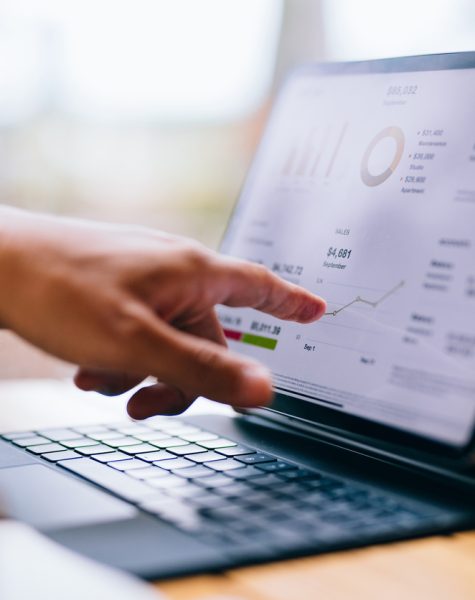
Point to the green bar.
(258, 340)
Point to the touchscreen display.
(363, 191)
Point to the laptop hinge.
(457, 471)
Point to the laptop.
(363, 191)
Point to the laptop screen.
(363, 191)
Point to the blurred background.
(149, 111)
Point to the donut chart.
(397, 135)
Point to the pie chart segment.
(374, 179)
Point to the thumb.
(200, 367)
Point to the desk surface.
(438, 568)
(435, 568)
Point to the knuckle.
(265, 284)
(196, 256)
(265, 278)
(262, 271)
(129, 322)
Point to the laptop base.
(235, 531)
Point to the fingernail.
(107, 391)
(313, 311)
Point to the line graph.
(361, 300)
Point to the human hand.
(128, 302)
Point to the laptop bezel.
(320, 417)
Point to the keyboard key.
(299, 474)
(172, 424)
(17, 435)
(207, 502)
(86, 429)
(252, 528)
(276, 466)
(111, 457)
(170, 442)
(35, 440)
(158, 423)
(103, 436)
(99, 449)
(120, 442)
(324, 482)
(150, 436)
(188, 449)
(228, 464)
(190, 490)
(271, 515)
(133, 430)
(182, 430)
(108, 478)
(176, 463)
(65, 455)
(206, 456)
(254, 459)
(237, 489)
(269, 480)
(116, 426)
(314, 497)
(341, 510)
(274, 498)
(164, 483)
(147, 473)
(58, 435)
(192, 472)
(248, 472)
(156, 456)
(236, 451)
(260, 497)
(200, 436)
(215, 481)
(184, 516)
(359, 494)
(128, 465)
(226, 513)
(292, 489)
(340, 493)
(138, 449)
(43, 448)
(80, 443)
(217, 443)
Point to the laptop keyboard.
(220, 490)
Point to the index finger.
(242, 283)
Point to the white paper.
(32, 566)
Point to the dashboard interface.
(363, 191)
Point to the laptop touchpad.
(48, 500)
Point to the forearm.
(17, 248)
(8, 217)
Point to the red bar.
(232, 335)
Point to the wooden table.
(438, 568)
